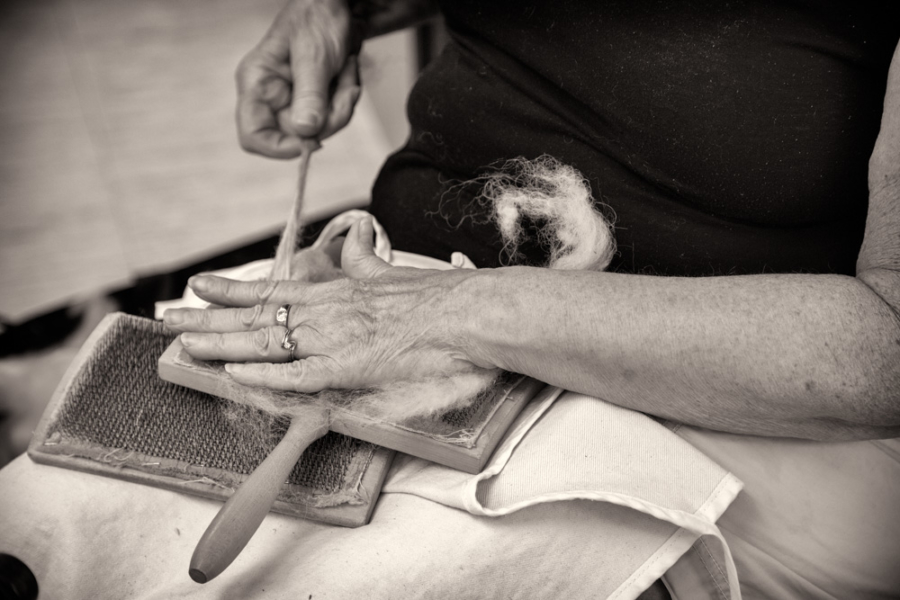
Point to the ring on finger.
(281, 315)
(288, 344)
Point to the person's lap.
(89, 536)
(814, 520)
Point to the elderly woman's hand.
(300, 81)
(379, 324)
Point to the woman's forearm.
(796, 355)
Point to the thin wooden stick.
(288, 243)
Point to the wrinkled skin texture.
(372, 327)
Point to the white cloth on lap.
(815, 521)
(87, 536)
(585, 448)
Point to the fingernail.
(365, 229)
(173, 317)
(198, 284)
(236, 370)
(310, 121)
(456, 260)
(189, 339)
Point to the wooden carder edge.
(470, 460)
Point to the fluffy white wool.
(548, 191)
(393, 403)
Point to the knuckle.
(246, 141)
(204, 319)
(314, 49)
(311, 97)
(264, 370)
(218, 341)
(298, 378)
(310, 375)
(275, 92)
(242, 70)
(360, 292)
(261, 341)
(327, 372)
(263, 290)
(251, 317)
(300, 370)
(250, 140)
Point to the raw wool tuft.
(392, 403)
(430, 396)
(547, 191)
(258, 426)
(315, 266)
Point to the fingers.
(461, 261)
(228, 292)
(260, 133)
(224, 320)
(262, 345)
(270, 124)
(358, 259)
(260, 360)
(318, 56)
(308, 376)
(309, 107)
(340, 110)
(298, 82)
(346, 94)
(263, 92)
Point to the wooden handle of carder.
(242, 514)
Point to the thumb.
(358, 259)
(309, 105)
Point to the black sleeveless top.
(726, 137)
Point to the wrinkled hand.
(380, 324)
(300, 81)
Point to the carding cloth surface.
(117, 413)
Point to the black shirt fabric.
(726, 137)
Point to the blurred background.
(121, 175)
